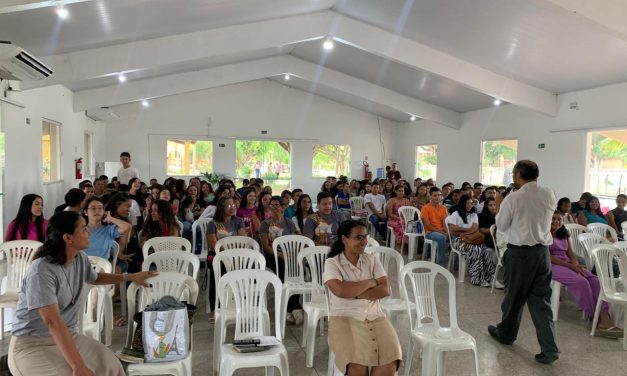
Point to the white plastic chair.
(390, 258)
(587, 241)
(233, 242)
(623, 227)
(433, 340)
(602, 229)
(293, 281)
(236, 242)
(96, 305)
(19, 255)
(455, 252)
(316, 308)
(556, 291)
(224, 310)
(407, 214)
(180, 224)
(357, 203)
(372, 242)
(166, 283)
(612, 286)
(622, 246)
(249, 289)
(201, 225)
(166, 243)
(173, 261)
(574, 230)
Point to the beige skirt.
(369, 343)
(33, 356)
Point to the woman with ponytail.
(356, 281)
(44, 337)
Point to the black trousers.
(528, 280)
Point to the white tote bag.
(166, 335)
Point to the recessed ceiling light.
(286, 77)
(62, 12)
(328, 44)
(497, 102)
(145, 103)
(121, 77)
(412, 118)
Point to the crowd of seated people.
(133, 213)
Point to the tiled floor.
(581, 354)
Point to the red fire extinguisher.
(78, 168)
(367, 173)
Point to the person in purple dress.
(581, 283)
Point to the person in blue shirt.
(103, 230)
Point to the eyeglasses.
(230, 205)
(360, 238)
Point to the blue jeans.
(441, 240)
(380, 225)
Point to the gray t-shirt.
(323, 226)
(222, 230)
(284, 227)
(45, 284)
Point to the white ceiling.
(435, 59)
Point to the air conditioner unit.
(17, 64)
(102, 114)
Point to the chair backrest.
(114, 252)
(587, 240)
(420, 275)
(574, 230)
(389, 257)
(372, 242)
(100, 265)
(248, 288)
(407, 214)
(173, 261)
(498, 250)
(19, 254)
(448, 233)
(290, 246)
(236, 242)
(315, 257)
(356, 203)
(167, 283)
(166, 243)
(201, 224)
(622, 246)
(236, 259)
(602, 229)
(603, 256)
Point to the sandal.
(611, 332)
(119, 321)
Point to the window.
(498, 157)
(50, 150)
(268, 160)
(189, 157)
(607, 161)
(426, 161)
(88, 161)
(330, 160)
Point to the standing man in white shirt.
(375, 203)
(525, 216)
(127, 172)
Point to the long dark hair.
(25, 216)
(450, 195)
(344, 230)
(486, 203)
(299, 211)
(114, 202)
(218, 194)
(561, 233)
(461, 208)
(261, 211)
(244, 201)
(561, 202)
(152, 228)
(54, 247)
(598, 211)
(220, 206)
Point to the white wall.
(562, 163)
(23, 172)
(242, 111)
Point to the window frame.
(481, 164)
(348, 163)
(88, 163)
(55, 151)
(416, 162)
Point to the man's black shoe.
(546, 358)
(494, 332)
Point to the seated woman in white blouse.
(357, 281)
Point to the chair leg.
(217, 342)
(123, 298)
(1, 323)
(595, 319)
(411, 252)
(624, 326)
(331, 364)
(303, 342)
(441, 370)
(555, 299)
(429, 361)
(311, 339)
(496, 272)
(462, 268)
(474, 352)
(410, 355)
(283, 313)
